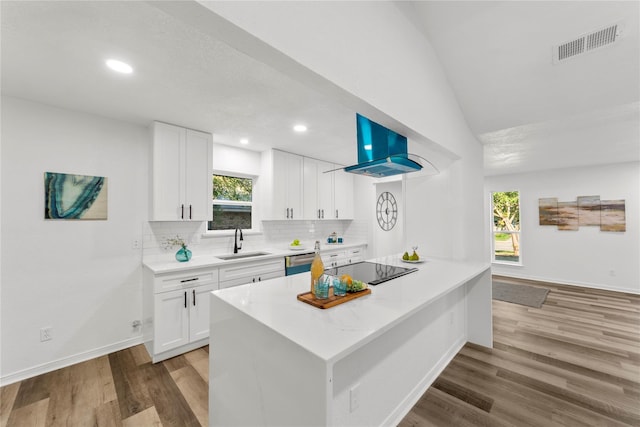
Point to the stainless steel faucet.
(237, 245)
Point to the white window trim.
(493, 232)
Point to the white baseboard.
(563, 282)
(68, 361)
(409, 402)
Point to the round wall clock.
(387, 211)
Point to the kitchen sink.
(242, 255)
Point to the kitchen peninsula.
(277, 361)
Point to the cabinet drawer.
(252, 269)
(333, 259)
(185, 279)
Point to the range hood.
(381, 151)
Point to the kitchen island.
(275, 360)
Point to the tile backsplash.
(274, 234)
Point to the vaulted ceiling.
(530, 113)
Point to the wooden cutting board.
(333, 300)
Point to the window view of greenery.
(232, 203)
(506, 226)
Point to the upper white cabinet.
(342, 194)
(318, 189)
(282, 190)
(297, 187)
(327, 195)
(181, 174)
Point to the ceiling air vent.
(586, 43)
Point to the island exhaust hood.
(382, 152)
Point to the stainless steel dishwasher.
(298, 263)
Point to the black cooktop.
(370, 272)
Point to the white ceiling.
(530, 113)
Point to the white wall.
(83, 278)
(372, 53)
(387, 242)
(587, 256)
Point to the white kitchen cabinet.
(286, 186)
(251, 272)
(333, 258)
(181, 174)
(318, 189)
(336, 257)
(342, 194)
(176, 311)
(354, 255)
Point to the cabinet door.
(167, 178)
(199, 312)
(199, 175)
(294, 186)
(280, 185)
(310, 192)
(171, 319)
(343, 195)
(325, 190)
(287, 186)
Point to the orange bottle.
(317, 268)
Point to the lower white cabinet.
(176, 311)
(251, 272)
(338, 257)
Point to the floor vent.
(586, 43)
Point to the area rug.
(519, 294)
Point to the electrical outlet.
(354, 398)
(136, 324)
(136, 244)
(46, 333)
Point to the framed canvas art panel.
(612, 215)
(75, 197)
(568, 215)
(589, 210)
(548, 211)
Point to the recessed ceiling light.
(244, 141)
(300, 128)
(119, 66)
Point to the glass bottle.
(317, 268)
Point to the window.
(232, 203)
(505, 226)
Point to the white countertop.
(210, 260)
(335, 332)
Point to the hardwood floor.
(575, 361)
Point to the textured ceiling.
(529, 113)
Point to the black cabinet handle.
(287, 213)
(259, 278)
(185, 299)
(181, 211)
(189, 211)
(189, 280)
(336, 213)
(291, 213)
(318, 213)
(194, 297)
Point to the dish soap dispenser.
(317, 268)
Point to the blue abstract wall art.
(75, 196)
